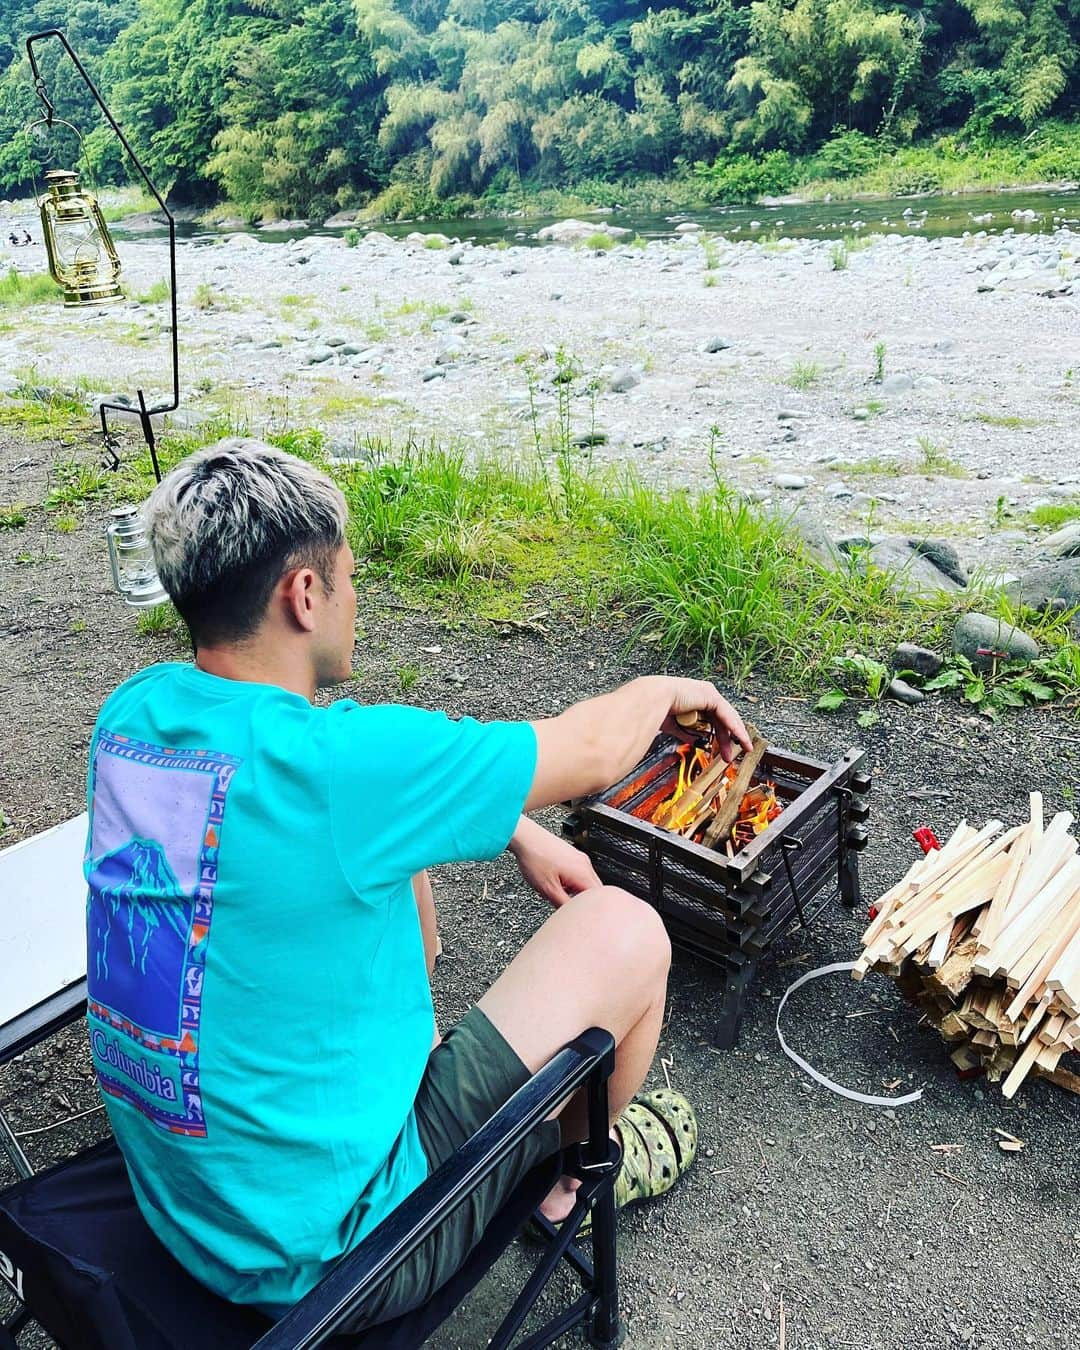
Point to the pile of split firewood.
(983, 935)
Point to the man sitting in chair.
(260, 922)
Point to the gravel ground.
(969, 429)
(838, 1213)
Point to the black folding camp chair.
(81, 1262)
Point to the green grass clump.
(208, 297)
(700, 572)
(1053, 515)
(75, 483)
(436, 242)
(1012, 423)
(37, 410)
(12, 517)
(937, 460)
(19, 292)
(600, 240)
(156, 294)
(157, 620)
(804, 375)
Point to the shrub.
(742, 178)
(846, 155)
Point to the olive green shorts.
(469, 1075)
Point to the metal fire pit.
(729, 910)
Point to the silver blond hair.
(228, 521)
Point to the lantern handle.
(50, 121)
(144, 413)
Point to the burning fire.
(688, 809)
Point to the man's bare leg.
(429, 928)
(429, 924)
(601, 960)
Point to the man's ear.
(300, 591)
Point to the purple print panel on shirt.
(156, 816)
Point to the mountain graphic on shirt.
(138, 926)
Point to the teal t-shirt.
(259, 1010)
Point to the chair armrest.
(40, 1022)
(316, 1317)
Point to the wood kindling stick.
(1033, 985)
(729, 808)
(895, 895)
(1021, 1068)
(1038, 961)
(1066, 969)
(968, 892)
(1018, 935)
(692, 798)
(1045, 859)
(947, 866)
(1018, 854)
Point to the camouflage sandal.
(659, 1135)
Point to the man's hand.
(552, 867)
(594, 743)
(702, 697)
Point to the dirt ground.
(841, 1215)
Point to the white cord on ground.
(849, 1093)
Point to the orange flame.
(675, 807)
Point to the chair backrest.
(42, 917)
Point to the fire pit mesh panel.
(728, 910)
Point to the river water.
(1029, 211)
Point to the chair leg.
(606, 1330)
(10, 1146)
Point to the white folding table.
(42, 945)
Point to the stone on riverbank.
(904, 692)
(978, 636)
(944, 557)
(914, 568)
(623, 380)
(1064, 543)
(1053, 586)
(921, 660)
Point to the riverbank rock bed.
(930, 383)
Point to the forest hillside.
(307, 108)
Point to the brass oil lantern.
(82, 257)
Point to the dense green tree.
(303, 106)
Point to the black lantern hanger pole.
(145, 413)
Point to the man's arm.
(596, 742)
(553, 867)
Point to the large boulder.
(576, 231)
(984, 640)
(944, 557)
(914, 569)
(1049, 587)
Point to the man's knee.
(629, 930)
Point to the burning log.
(983, 935)
(711, 801)
(732, 806)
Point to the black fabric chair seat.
(98, 1279)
